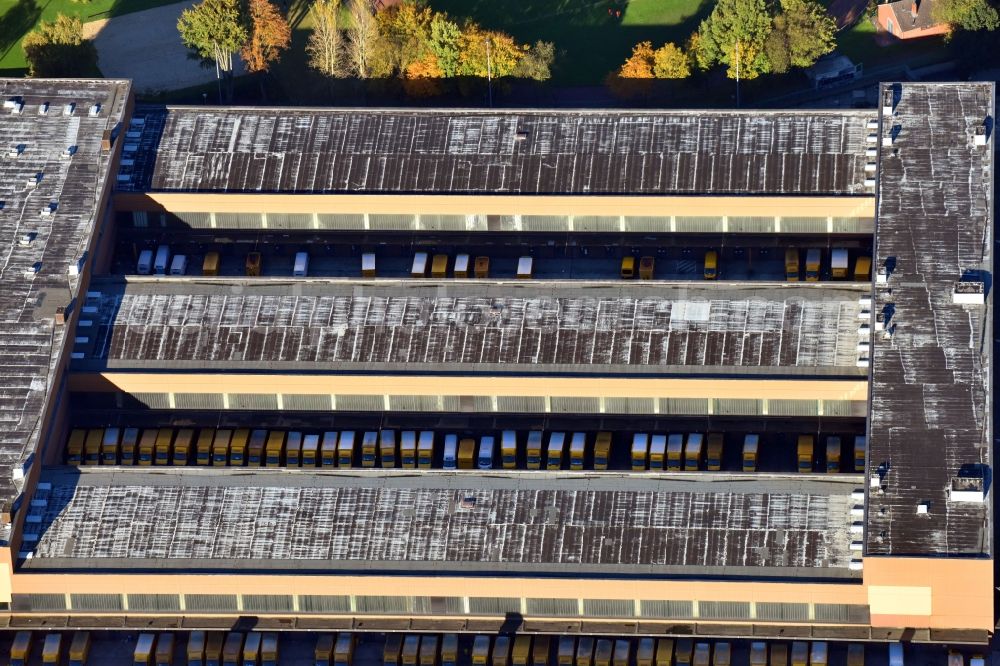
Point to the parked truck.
(805, 453)
(838, 263)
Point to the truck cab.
(714, 459)
(556, 451)
(602, 450)
(751, 444)
(449, 455)
(832, 455)
(627, 270)
(805, 453)
(487, 452)
(640, 451)
(508, 449)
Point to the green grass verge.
(859, 44)
(19, 17)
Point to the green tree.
(669, 62)
(405, 34)
(58, 49)
(215, 31)
(445, 43)
(326, 44)
(536, 62)
(734, 35)
(810, 31)
(776, 47)
(966, 14)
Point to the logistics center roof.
(51, 179)
(931, 381)
(451, 151)
(407, 325)
(538, 523)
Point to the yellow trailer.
(164, 446)
(533, 456)
(566, 652)
(79, 648)
(20, 649)
(92, 447)
(751, 443)
(675, 452)
(425, 450)
(758, 653)
(805, 453)
(577, 451)
(328, 449)
(640, 451)
(860, 444)
(369, 448)
(52, 648)
(147, 447)
(522, 650)
(109, 446)
(541, 650)
(646, 654)
(623, 652)
(239, 447)
(323, 652)
(682, 651)
(508, 449)
(664, 652)
(343, 651)
(196, 648)
(182, 446)
(556, 451)
(220, 447)
(203, 455)
(800, 653)
(711, 265)
(467, 453)
(145, 648)
(602, 450)
(387, 448)
(585, 651)
(345, 449)
(310, 450)
(130, 441)
(722, 654)
(714, 458)
(439, 266)
(779, 655)
(258, 442)
(792, 265)
(480, 650)
(693, 452)
(812, 265)
(411, 650)
(702, 655)
(461, 269)
(449, 650)
(269, 649)
(408, 449)
(253, 264)
(210, 266)
(501, 651)
(429, 655)
(604, 652)
(647, 267)
(833, 455)
(165, 649)
(293, 449)
(863, 269)
(391, 650)
(657, 452)
(232, 649)
(274, 453)
(74, 447)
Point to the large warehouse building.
(173, 276)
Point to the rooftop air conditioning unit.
(69, 109)
(923, 508)
(888, 101)
(967, 489)
(95, 110)
(969, 293)
(43, 109)
(979, 139)
(17, 109)
(872, 124)
(872, 138)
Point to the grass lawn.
(858, 43)
(590, 42)
(18, 17)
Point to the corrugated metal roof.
(930, 388)
(34, 277)
(542, 523)
(414, 325)
(492, 151)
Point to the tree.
(640, 64)
(776, 47)
(59, 49)
(536, 62)
(269, 36)
(734, 35)
(326, 45)
(669, 62)
(362, 41)
(214, 30)
(487, 53)
(406, 29)
(810, 31)
(445, 43)
(966, 14)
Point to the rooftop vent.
(69, 109)
(863, 361)
(11, 102)
(17, 109)
(872, 124)
(50, 209)
(979, 139)
(15, 150)
(967, 489)
(855, 565)
(68, 153)
(870, 182)
(871, 152)
(43, 109)
(33, 181)
(923, 508)
(969, 293)
(871, 166)
(521, 136)
(888, 101)
(872, 138)
(95, 110)
(27, 238)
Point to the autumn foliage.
(269, 36)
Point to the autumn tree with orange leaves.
(269, 35)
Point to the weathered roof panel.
(463, 151)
